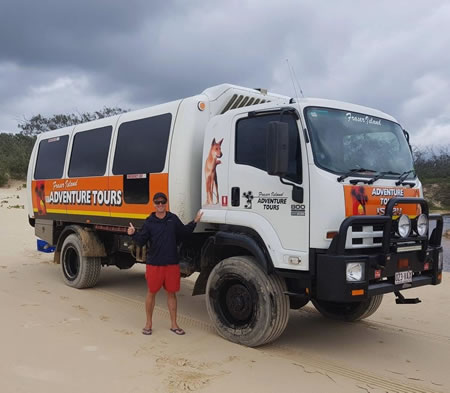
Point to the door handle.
(235, 196)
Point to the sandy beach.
(58, 339)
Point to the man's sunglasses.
(160, 202)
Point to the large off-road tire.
(353, 311)
(78, 271)
(246, 305)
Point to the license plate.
(403, 277)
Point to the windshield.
(343, 141)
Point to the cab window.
(250, 148)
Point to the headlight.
(355, 271)
(404, 226)
(441, 260)
(422, 225)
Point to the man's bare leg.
(172, 305)
(149, 307)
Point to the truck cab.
(329, 192)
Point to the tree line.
(431, 165)
(15, 149)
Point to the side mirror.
(297, 194)
(277, 153)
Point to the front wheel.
(352, 311)
(78, 271)
(246, 305)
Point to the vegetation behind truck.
(309, 200)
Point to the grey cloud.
(379, 54)
(69, 33)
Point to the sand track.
(55, 338)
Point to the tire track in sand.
(302, 359)
(309, 312)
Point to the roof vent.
(239, 101)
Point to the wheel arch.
(91, 244)
(225, 244)
(253, 246)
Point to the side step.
(402, 300)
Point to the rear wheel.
(352, 311)
(78, 271)
(246, 305)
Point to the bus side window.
(51, 157)
(90, 152)
(141, 149)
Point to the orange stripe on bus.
(43, 203)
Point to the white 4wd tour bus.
(304, 200)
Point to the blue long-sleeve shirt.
(163, 234)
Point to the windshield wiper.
(380, 175)
(403, 176)
(354, 171)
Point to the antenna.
(294, 77)
(298, 83)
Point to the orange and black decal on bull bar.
(94, 196)
(369, 200)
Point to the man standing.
(162, 229)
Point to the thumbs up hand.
(131, 230)
(198, 217)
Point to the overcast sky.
(58, 56)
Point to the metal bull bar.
(337, 246)
(331, 283)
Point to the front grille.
(371, 236)
(364, 236)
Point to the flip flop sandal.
(147, 332)
(178, 331)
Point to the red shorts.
(163, 276)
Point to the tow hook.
(402, 300)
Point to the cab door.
(264, 202)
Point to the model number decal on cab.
(298, 210)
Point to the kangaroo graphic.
(360, 200)
(215, 152)
(40, 197)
